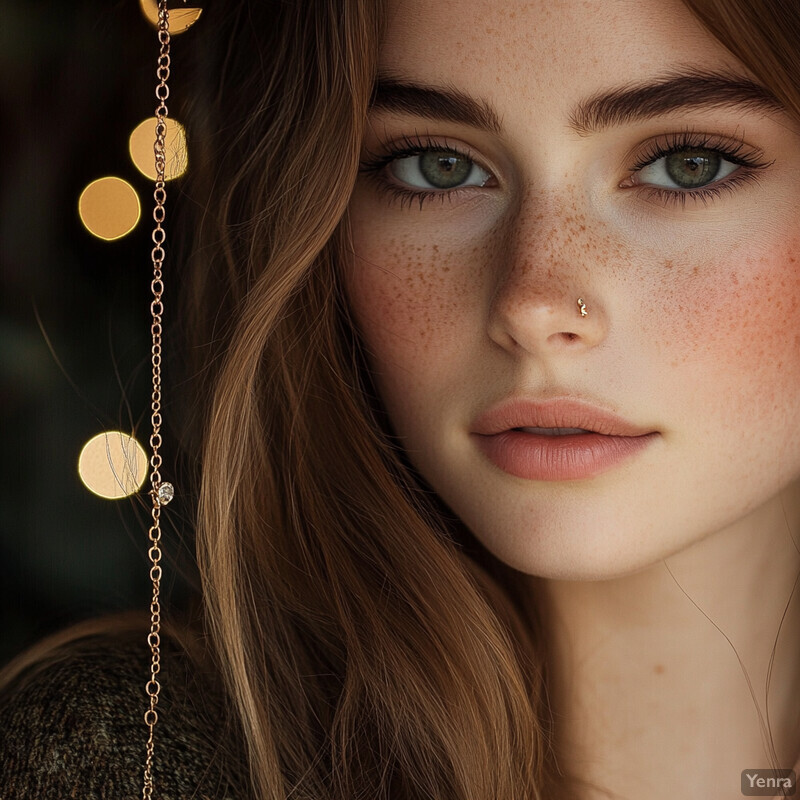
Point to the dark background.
(75, 79)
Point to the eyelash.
(407, 146)
(739, 153)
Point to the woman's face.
(509, 173)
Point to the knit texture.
(74, 728)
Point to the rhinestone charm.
(165, 493)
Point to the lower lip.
(538, 457)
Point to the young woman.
(500, 459)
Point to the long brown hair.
(370, 646)
(367, 654)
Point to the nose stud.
(582, 307)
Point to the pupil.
(444, 170)
(692, 168)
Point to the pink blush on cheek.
(733, 330)
(757, 315)
(729, 309)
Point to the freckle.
(668, 264)
(658, 669)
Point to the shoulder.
(72, 725)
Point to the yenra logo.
(765, 782)
(768, 783)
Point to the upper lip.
(554, 413)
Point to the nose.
(539, 322)
(545, 301)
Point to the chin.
(577, 551)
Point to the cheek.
(414, 301)
(733, 330)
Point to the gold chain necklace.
(161, 493)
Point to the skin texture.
(693, 331)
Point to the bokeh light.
(142, 142)
(109, 208)
(113, 464)
(179, 18)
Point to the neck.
(673, 680)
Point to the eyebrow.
(676, 90)
(446, 104)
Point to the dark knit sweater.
(74, 728)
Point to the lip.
(555, 413)
(610, 441)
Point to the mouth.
(557, 440)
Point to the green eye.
(438, 169)
(689, 168)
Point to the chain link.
(153, 687)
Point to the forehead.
(549, 52)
